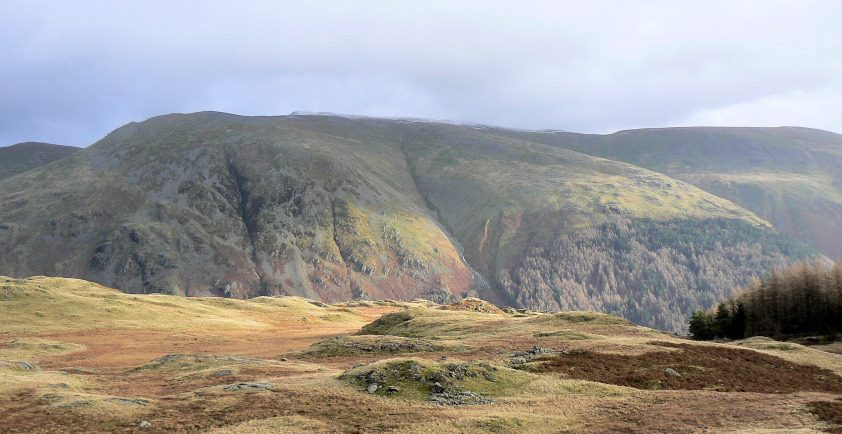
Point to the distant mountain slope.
(334, 207)
(791, 177)
(555, 229)
(210, 203)
(28, 155)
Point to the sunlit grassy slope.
(47, 304)
(788, 176)
(499, 194)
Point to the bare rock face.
(214, 204)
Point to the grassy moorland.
(75, 356)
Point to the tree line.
(803, 300)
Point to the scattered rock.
(283, 359)
(673, 372)
(81, 369)
(520, 357)
(144, 424)
(371, 388)
(52, 397)
(226, 372)
(437, 388)
(27, 365)
(392, 389)
(345, 345)
(136, 402)
(459, 398)
(251, 385)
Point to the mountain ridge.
(337, 207)
(21, 157)
(789, 176)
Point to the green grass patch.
(415, 378)
(375, 345)
(568, 335)
(583, 318)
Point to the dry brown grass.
(98, 374)
(695, 368)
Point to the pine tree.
(700, 326)
(722, 321)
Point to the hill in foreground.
(286, 364)
(338, 208)
(21, 157)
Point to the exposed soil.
(698, 367)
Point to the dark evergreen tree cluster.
(803, 300)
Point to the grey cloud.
(73, 71)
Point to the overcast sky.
(72, 71)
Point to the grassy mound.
(440, 382)
(474, 305)
(374, 345)
(196, 362)
(433, 323)
(579, 318)
(568, 335)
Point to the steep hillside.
(554, 229)
(791, 177)
(335, 208)
(27, 156)
(215, 204)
